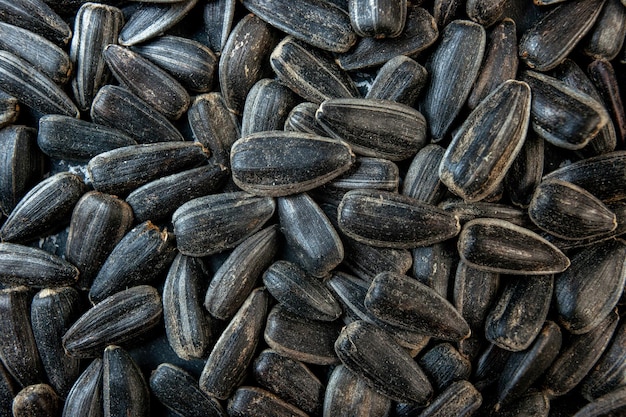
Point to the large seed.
(302, 119)
(37, 17)
(401, 79)
(218, 20)
(422, 181)
(602, 73)
(485, 12)
(348, 394)
(500, 246)
(36, 400)
(34, 267)
(85, 397)
(124, 390)
(267, 106)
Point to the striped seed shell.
(501, 62)
(244, 60)
(22, 164)
(44, 55)
(348, 394)
(235, 279)
(52, 313)
(525, 172)
(34, 267)
(179, 392)
(311, 238)
(289, 379)
(568, 211)
(380, 218)
(95, 26)
(589, 290)
(218, 20)
(372, 354)
(141, 256)
(85, 397)
(360, 123)
(44, 208)
(267, 106)
(124, 169)
(213, 125)
(458, 57)
(407, 303)
(212, 224)
(311, 73)
(603, 75)
(608, 404)
(505, 327)
(367, 261)
(489, 366)
(382, 19)
(300, 292)
(99, 221)
(302, 119)
(191, 63)
(460, 399)
(9, 109)
(118, 108)
(607, 36)
(577, 357)
(444, 365)
(256, 402)
(187, 325)
(563, 116)
(122, 319)
(319, 23)
(147, 81)
(302, 339)
(500, 246)
(470, 211)
(420, 32)
(18, 349)
(485, 12)
(32, 87)
(151, 20)
(532, 403)
(279, 163)
(445, 11)
(234, 350)
(433, 266)
(548, 42)
(36, 400)
(124, 389)
(422, 181)
(401, 79)
(486, 145)
(523, 368)
(68, 138)
(158, 199)
(36, 16)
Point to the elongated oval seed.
(218, 20)
(500, 246)
(256, 402)
(124, 389)
(348, 394)
(211, 224)
(85, 397)
(386, 219)
(268, 104)
(372, 354)
(460, 399)
(486, 145)
(36, 16)
(401, 79)
(34, 267)
(444, 365)
(378, 20)
(279, 163)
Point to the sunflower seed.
(36, 400)
(432, 266)
(608, 404)
(607, 36)
(36, 16)
(34, 267)
(422, 181)
(7, 391)
(267, 106)
(348, 394)
(444, 366)
(533, 403)
(445, 11)
(256, 402)
(218, 20)
(123, 319)
(525, 173)
(383, 19)
(603, 76)
(85, 397)
(480, 209)
(485, 12)
(401, 79)
(367, 261)
(302, 119)
(124, 390)
(460, 399)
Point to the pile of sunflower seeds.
(312, 207)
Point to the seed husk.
(383, 19)
(348, 394)
(614, 401)
(124, 389)
(85, 397)
(485, 12)
(401, 79)
(525, 173)
(302, 119)
(268, 104)
(460, 399)
(8, 390)
(602, 73)
(422, 181)
(36, 400)
(218, 20)
(34, 267)
(607, 36)
(256, 402)
(432, 266)
(444, 365)
(37, 17)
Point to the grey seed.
(444, 365)
(445, 11)
(18, 349)
(187, 326)
(118, 108)
(311, 73)
(279, 163)
(289, 379)
(32, 87)
(587, 292)
(151, 20)
(218, 20)
(95, 26)
(34, 267)
(234, 350)
(256, 402)
(124, 389)
(460, 399)
(44, 208)
(235, 279)
(383, 19)
(309, 341)
(85, 397)
(52, 313)
(548, 42)
(420, 32)
(121, 170)
(500, 246)
(372, 354)
(302, 119)
(433, 265)
(191, 63)
(123, 319)
(525, 173)
(485, 12)
(421, 181)
(458, 57)
(267, 106)
(147, 81)
(319, 23)
(607, 36)
(212, 224)
(401, 79)
(348, 394)
(37, 17)
(36, 400)
(386, 219)
(179, 392)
